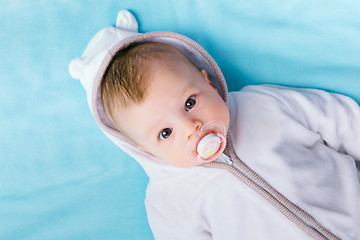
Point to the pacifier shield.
(207, 144)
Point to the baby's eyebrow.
(150, 130)
(186, 91)
(153, 128)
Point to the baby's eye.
(165, 133)
(190, 103)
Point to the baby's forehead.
(177, 65)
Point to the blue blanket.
(60, 177)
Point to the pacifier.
(208, 143)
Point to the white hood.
(91, 66)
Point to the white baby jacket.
(304, 143)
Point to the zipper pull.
(226, 159)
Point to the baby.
(156, 81)
(266, 162)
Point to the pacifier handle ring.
(222, 137)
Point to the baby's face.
(179, 102)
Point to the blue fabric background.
(60, 177)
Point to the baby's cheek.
(178, 158)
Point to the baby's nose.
(192, 129)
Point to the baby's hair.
(126, 78)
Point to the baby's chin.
(180, 162)
(187, 165)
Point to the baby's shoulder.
(275, 94)
(260, 94)
(265, 90)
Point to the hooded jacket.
(289, 170)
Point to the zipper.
(291, 212)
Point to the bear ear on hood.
(126, 21)
(75, 68)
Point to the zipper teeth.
(298, 216)
(290, 215)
